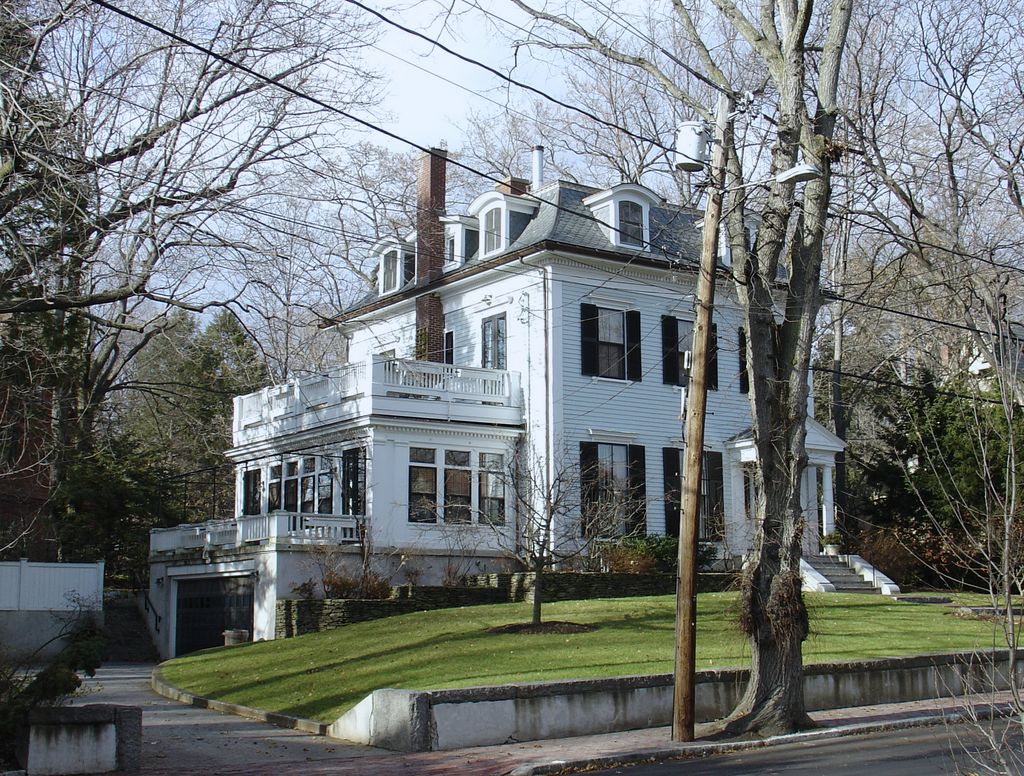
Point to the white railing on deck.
(327, 393)
(277, 527)
(443, 381)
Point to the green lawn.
(322, 675)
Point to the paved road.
(179, 739)
(927, 751)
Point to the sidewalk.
(179, 739)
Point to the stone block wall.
(579, 586)
(296, 618)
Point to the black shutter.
(714, 498)
(588, 339)
(669, 350)
(636, 517)
(588, 483)
(744, 378)
(634, 364)
(712, 363)
(673, 489)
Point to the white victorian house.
(551, 322)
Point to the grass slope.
(322, 675)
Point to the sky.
(427, 92)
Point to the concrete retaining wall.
(95, 738)
(410, 720)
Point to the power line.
(509, 79)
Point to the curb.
(162, 687)
(698, 750)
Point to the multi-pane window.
(291, 486)
(302, 485)
(458, 487)
(444, 483)
(353, 481)
(631, 223)
(492, 489)
(391, 266)
(422, 485)
(610, 342)
(492, 230)
(449, 347)
(676, 342)
(252, 491)
(492, 337)
(274, 489)
(712, 493)
(613, 489)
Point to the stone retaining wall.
(96, 738)
(296, 618)
(580, 586)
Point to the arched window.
(631, 223)
(492, 230)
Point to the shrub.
(370, 585)
(647, 554)
(21, 689)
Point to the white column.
(828, 505)
(737, 530)
(809, 503)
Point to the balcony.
(416, 390)
(254, 530)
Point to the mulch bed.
(554, 626)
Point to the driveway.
(186, 739)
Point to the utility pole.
(696, 406)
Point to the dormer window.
(391, 263)
(492, 230)
(501, 218)
(397, 266)
(461, 240)
(631, 223)
(625, 214)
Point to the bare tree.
(789, 56)
(931, 87)
(563, 513)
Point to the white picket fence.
(28, 586)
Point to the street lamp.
(683, 708)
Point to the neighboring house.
(550, 324)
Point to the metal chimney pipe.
(538, 167)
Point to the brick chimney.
(430, 206)
(517, 187)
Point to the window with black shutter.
(613, 489)
(711, 525)
(610, 343)
(676, 341)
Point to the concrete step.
(128, 637)
(843, 578)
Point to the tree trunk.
(538, 590)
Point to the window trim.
(444, 506)
(590, 343)
(634, 486)
(712, 493)
(494, 344)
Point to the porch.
(418, 390)
(256, 530)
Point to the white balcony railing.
(275, 528)
(417, 389)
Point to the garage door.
(208, 607)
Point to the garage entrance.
(208, 607)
